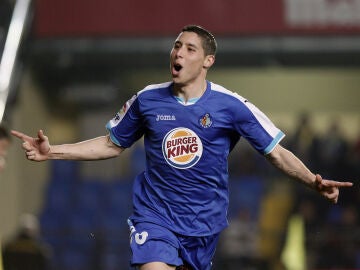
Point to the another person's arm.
(287, 162)
(39, 148)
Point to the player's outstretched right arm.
(40, 149)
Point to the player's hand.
(329, 188)
(36, 149)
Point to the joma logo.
(165, 117)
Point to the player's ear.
(209, 61)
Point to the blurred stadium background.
(77, 62)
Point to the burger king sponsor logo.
(182, 148)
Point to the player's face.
(187, 59)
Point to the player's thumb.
(318, 181)
(41, 135)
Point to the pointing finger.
(18, 134)
(345, 184)
(21, 135)
(330, 183)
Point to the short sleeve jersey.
(185, 184)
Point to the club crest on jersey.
(182, 148)
(205, 120)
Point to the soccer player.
(189, 126)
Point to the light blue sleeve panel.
(275, 142)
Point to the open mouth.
(177, 67)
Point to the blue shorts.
(153, 243)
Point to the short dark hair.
(4, 133)
(208, 39)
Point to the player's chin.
(177, 80)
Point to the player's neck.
(190, 91)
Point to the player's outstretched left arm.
(287, 162)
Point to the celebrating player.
(189, 125)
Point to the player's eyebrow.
(178, 42)
(192, 45)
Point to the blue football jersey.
(185, 184)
